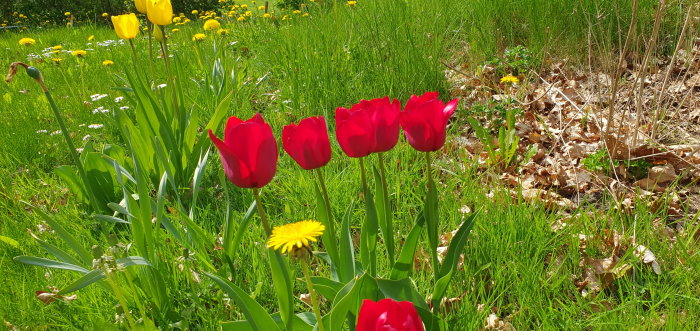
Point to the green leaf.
(300, 322)
(451, 260)
(38, 261)
(346, 250)
(58, 253)
(9, 241)
(403, 265)
(368, 236)
(85, 256)
(255, 314)
(384, 213)
(232, 242)
(282, 281)
(110, 219)
(87, 279)
(349, 299)
(325, 217)
(326, 287)
(198, 175)
(75, 184)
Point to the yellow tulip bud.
(158, 33)
(126, 26)
(160, 12)
(141, 5)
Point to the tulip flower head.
(370, 126)
(141, 6)
(248, 152)
(159, 12)
(424, 121)
(307, 143)
(387, 314)
(126, 26)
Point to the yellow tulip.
(141, 5)
(126, 26)
(159, 12)
(158, 33)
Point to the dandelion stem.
(261, 212)
(312, 292)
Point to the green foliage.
(502, 153)
(515, 61)
(600, 162)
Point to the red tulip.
(307, 143)
(248, 151)
(424, 121)
(388, 315)
(370, 126)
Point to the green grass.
(311, 66)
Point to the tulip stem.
(431, 215)
(312, 292)
(261, 212)
(389, 236)
(363, 175)
(331, 241)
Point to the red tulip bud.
(370, 126)
(307, 143)
(387, 315)
(424, 121)
(248, 152)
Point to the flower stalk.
(33, 72)
(388, 219)
(312, 292)
(261, 212)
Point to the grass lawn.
(516, 268)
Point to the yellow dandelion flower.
(107, 63)
(244, 6)
(222, 32)
(211, 25)
(91, 38)
(27, 41)
(248, 13)
(293, 236)
(67, 13)
(305, 15)
(261, 8)
(195, 12)
(57, 48)
(240, 18)
(57, 60)
(352, 3)
(510, 79)
(78, 53)
(175, 30)
(199, 37)
(105, 14)
(296, 11)
(285, 17)
(266, 15)
(177, 19)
